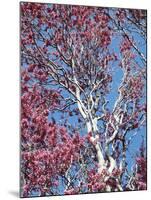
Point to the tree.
(83, 99)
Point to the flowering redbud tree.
(83, 99)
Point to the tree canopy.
(83, 99)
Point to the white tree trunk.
(92, 127)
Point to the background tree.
(83, 101)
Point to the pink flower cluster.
(47, 149)
(141, 173)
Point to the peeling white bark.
(112, 165)
(89, 127)
(101, 161)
